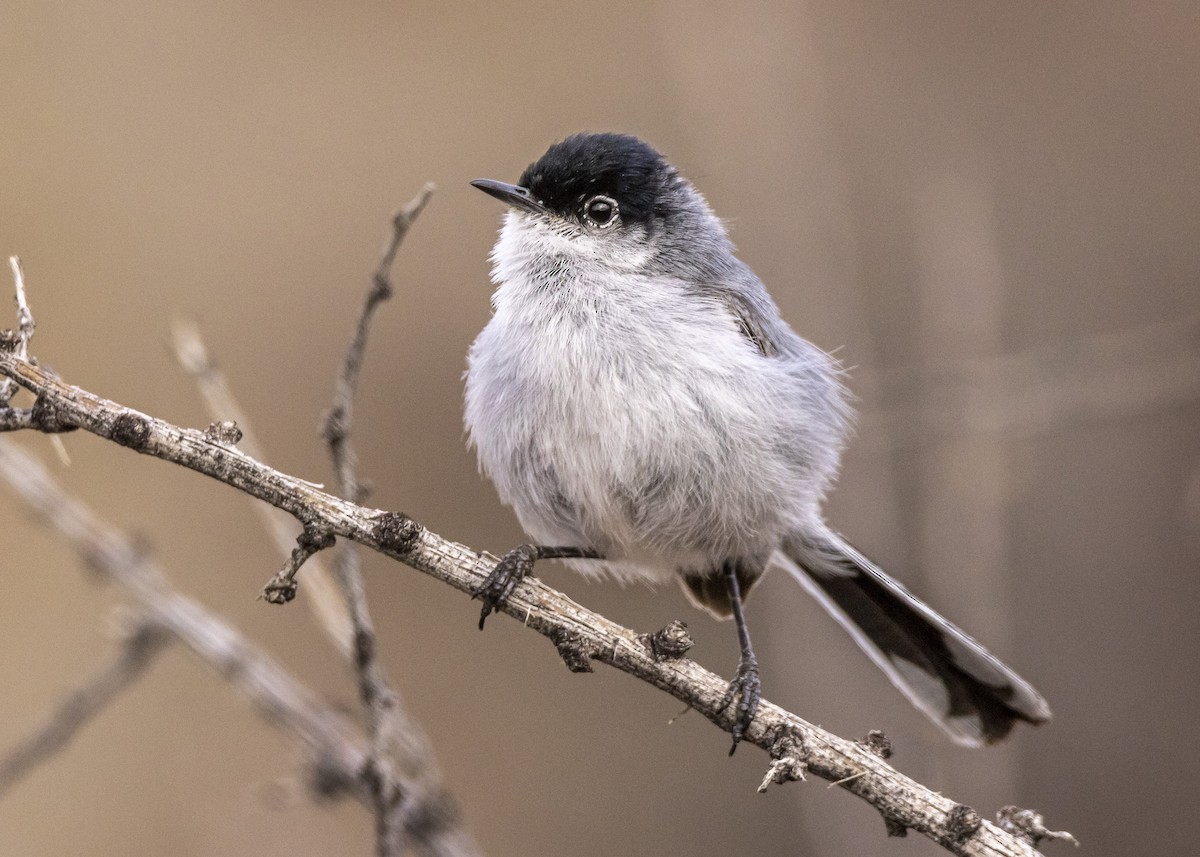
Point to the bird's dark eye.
(600, 211)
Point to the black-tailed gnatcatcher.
(639, 402)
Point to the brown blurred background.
(991, 210)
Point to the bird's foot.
(512, 568)
(746, 690)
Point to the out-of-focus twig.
(337, 754)
(138, 650)
(18, 340)
(320, 589)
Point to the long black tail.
(958, 683)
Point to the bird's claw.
(746, 690)
(513, 567)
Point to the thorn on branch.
(281, 588)
(572, 650)
(364, 649)
(895, 828)
(787, 759)
(669, 643)
(334, 426)
(225, 433)
(877, 744)
(25, 324)
(43, 417)
(382, 785)
(961, 823)
(1028, 824)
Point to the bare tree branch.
(284, 702)
(281, 588)
(340, 416)
(138, 650)
(19, 419)
(18, 340)
(403, 776)
(420, 784)
(321, 591)
(580, 633)
(340, 761)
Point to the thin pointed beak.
(510, 194)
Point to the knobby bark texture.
(579, 634)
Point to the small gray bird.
(639, 402)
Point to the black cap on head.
(613, 165)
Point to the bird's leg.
(513, 567)
(746, 687)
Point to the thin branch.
(17, 341)
(138, 651)
(339, 417)
(404, 792)
(401, 770)
(338, 754)
(540, 608)
(281, 588)
(1029, 825)
(320, 589)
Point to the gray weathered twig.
(140, 646)
(542, 609)
(401, 770)
(321, 591)
(404, 779)
(18, 340)
(579, 634)
(338, 420)
(337, 753)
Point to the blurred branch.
(321, 592)
(579, 634)
(140, 646)
(283, 701)
(340, 760)
(18, 340)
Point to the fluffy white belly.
(655, 438)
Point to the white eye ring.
(613, 216)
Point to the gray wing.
(742, 293)
(819, 402)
